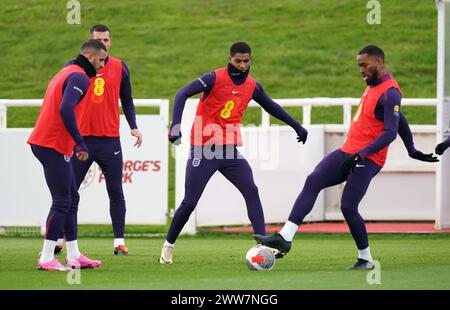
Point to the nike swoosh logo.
(99, 74)
(360, 166)
(234, 92)
(115, 153)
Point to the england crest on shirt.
(196, 162)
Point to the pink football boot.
(83, 262)
(52, 265)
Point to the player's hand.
(136, 133)
(174, 134)
(423, 157)
(302, 134)
(350, 163)
(81, 151)
(441, 147)
(82, 156)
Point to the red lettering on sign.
(156, 165)
(127, 177)
(145, 165)
(137, 165)
(128, 165)
(141, 165)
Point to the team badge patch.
(196, 162)
(67, 158)
(396, 110)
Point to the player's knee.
(116, 193)
(62, 199)
(191, 196)
(75, 199)
(313, 181)
(61, 204)
(348, 208)
(251, 191)
(186, 206)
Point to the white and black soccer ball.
(260, 257)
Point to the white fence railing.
(308, 103)
(163, 105)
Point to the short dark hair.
(92, 45)
(240, 47)
(100, 28)
(372, 50)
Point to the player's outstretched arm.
(405, 134)
(203, 84)
(278, 112)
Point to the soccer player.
(52, 142)
(374, 127)
(215, 134)
(99, 126)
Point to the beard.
(370, 78)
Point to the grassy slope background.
(300, 48)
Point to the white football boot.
(166, 255)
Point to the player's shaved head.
(92, 46)
(96, 52)
(240, 47)
(372, 50)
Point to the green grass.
(106, 230)
(316, 261)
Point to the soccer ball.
(260, 257)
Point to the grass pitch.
(205, 262)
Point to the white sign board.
(25, 199)
(24, 196)
(144, 178)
